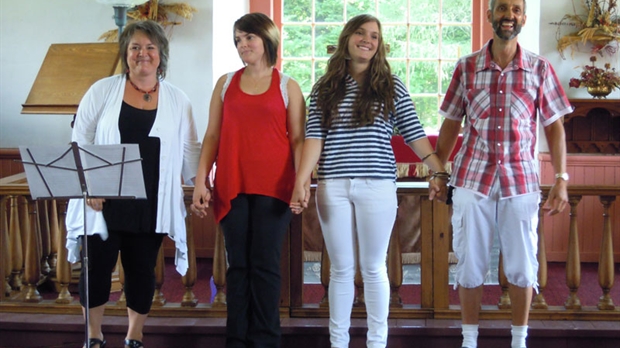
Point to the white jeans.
(358, 212)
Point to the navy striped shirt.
(365, 151)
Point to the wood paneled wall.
(8, 162)
(583, 170)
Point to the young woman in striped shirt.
(353, 110)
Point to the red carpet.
(555, 293)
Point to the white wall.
(529, 34)
(553, 11)
(201, 50)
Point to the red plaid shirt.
(499, 134)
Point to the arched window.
(425, 38)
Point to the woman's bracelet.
(427, 156)
(441, 175)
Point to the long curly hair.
(376, 95)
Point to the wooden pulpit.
(66, 74)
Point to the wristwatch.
(563, 176)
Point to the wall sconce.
(120, 11)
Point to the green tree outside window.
(426, 37)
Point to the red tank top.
(254, 155)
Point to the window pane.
(457, 11)
(423, 77)
(325, 35)
(319, 69)
(295, 41)
(393, 11)
(426, 108)
(399, 68)
(424, 11)
(359, 7)
(301, 71)
(424, 41)
(297, 11)
(455, 41)
(396, 37)
(447, 68)
(329, 11)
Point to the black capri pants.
(138, 257)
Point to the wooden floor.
(43, 330)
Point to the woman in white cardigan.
(136, 107)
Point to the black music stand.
(100, 171)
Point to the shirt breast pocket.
(523, 100)
(479, 107)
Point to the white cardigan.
(97, 123)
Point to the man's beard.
(505, 35)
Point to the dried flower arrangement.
(156, 11)
(600, 27)
(599, 82)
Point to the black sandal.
(133, 344)
(92, 342)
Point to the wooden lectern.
(66, 74)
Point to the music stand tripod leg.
(86, 278)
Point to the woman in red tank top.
(254, 138)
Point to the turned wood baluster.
(158, 297)
(539, 300)
(54, 235)
(44, 234)
(504, 299)
(35, 222)
(219, 268)
(63, 267)
(32, 264)
(15, 235)
(122, 301)
(5, 250)
(606, 258)
(359, 285)
(395, 268)
(325, 266)
(189, 279)
(573, 263)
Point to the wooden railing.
(33, 251)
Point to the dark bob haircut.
(261, 25)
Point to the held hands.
(95, 203)
(300, 198)
(438, 186)
(200, 201)
(558, 198)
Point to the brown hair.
(376, 95)
(155, 33)
(261, 25)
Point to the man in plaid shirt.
(499, 90)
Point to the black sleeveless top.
(137, 215)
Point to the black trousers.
(138, 257)
(253, 232)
